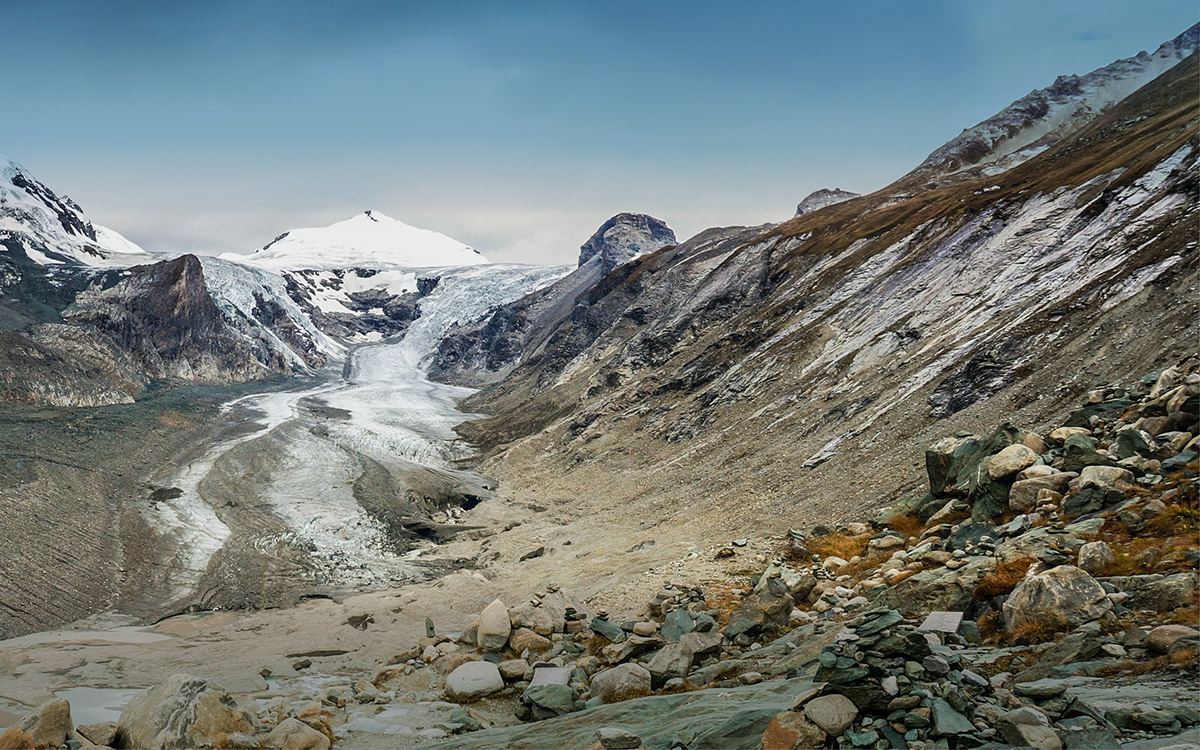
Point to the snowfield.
(368, 240)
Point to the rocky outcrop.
(822, 198)
(165, 318)
(485, 351)
(625, 237)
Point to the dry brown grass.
(1176, 520)
(839, 545)
(906, 524)
(1004, 578)
(1032, 633)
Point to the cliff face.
(858, 327)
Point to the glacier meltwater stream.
(292, 487)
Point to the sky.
(516, 127)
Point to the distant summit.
(1042, 118)
(822, 198)
(51, 229)
(624, 237)
(366, 240)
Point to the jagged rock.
(1011, 460)
(1028, 727)
(46, 726)
(548, 701)
(494, 627)
(1164, 594)
(792, 730)
(474, 679)
(183, 712)
(513, 669)
(101, 733)
(832, 713)
(1023, 496)
(1079, 452)
(947, 721)
(613, 632)
(293, 734)
(672, 660)
(676, 623)
(523, 638)
(1103, 477)
(763, 610)
(1061, 597)
(1161, 638)
(1095, 557)
(621, 682)
(1079, 645)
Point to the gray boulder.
(293, 734)
(1023, 495)
(1096, 556)
(1062, 597)
(185, 711)
(1028, 727)
(494, 627)
(621, 682)
(832, 713)
(48, 725)
(1011, 460)
(474, 679)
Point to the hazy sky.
(517, 127)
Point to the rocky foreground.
(1043, 593)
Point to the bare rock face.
(1062, 597)
(822, 198)
(164, 317)
(624, 237)
(183, 712)
(46, 726)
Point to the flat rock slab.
(718, 717)
(942, 622)
(550, 676)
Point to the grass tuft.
(1004, 578)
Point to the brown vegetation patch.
(1003, 578)
(839, 545)
(906, 524)
(1032, 633)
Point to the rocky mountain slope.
(720, 376)
(485, 351)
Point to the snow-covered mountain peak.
(366, 240)
(1040, 119)
(53, 229)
